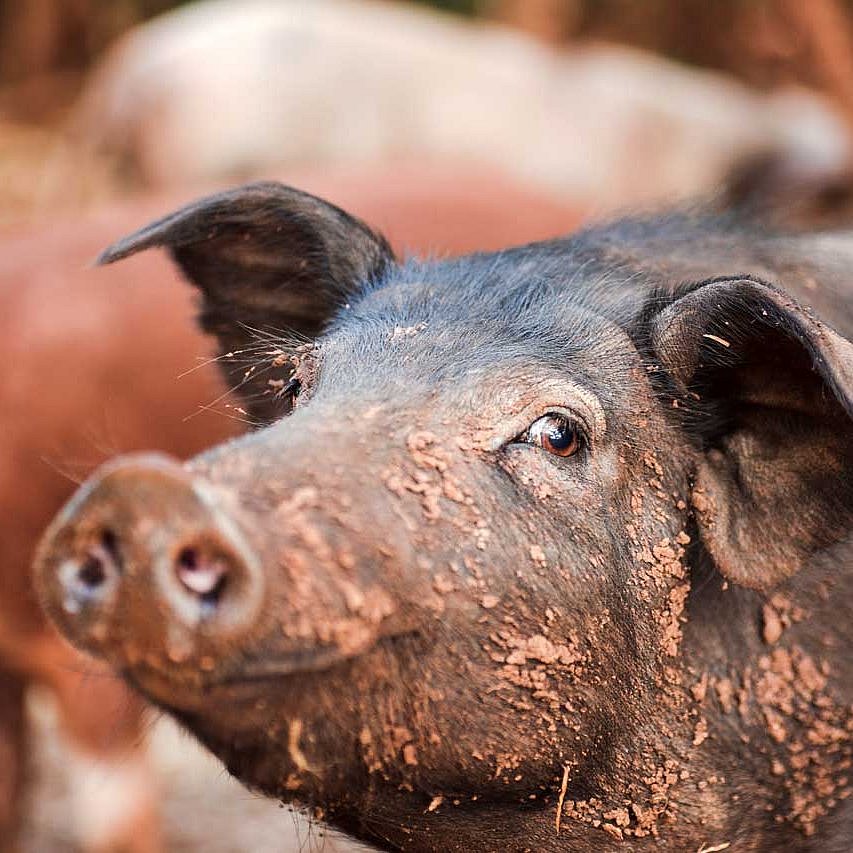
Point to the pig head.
(540, 549)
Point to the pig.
(539, 549)
(118, 340)
(222, 90)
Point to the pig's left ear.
(767, 389)
(269, 261)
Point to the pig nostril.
(203, 575)
(88, 581)
(92, 573)
(188, 559)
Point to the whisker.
(208, 361)
(62, 471)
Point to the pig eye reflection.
(556, 433)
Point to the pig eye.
(555, 433)
(291, 390)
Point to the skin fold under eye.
(556, 433)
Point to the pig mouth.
(173, 689)
(173, 692)
(309, 661)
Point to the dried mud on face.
(202, 807)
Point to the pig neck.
(746, 742)
(769, 673)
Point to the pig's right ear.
(272, 263)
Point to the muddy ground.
(204, 809)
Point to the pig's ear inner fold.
(269, 260)
(766, 389)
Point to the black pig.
(544, 549)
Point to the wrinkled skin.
(468, 641)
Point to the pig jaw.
(350, 749)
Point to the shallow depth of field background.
(54, 158)
(699, 89)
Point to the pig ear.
(272, 264)
(767, 389)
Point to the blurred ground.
(203, 808)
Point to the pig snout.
(146, 561)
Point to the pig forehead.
(454, 346)
(521, 307)
(412, 351)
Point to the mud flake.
(400, 736)
(540, 648)
(442, 584)
(775, 725)
(619, 816)
(404, 332)
(613, 831)
(537, 554)
(426, 452)
(435, 802)
(773, 626)
(703, 504)
(670, 619)
(724, 689)
(700, 688)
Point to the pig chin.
(248, 678)
(295, 734)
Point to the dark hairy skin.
(470, 641)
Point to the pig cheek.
(537, 668)
(530, 663)
(561, 521)
(454, 734)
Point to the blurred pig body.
(94, 364)
(229, 89)
(541, 549)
